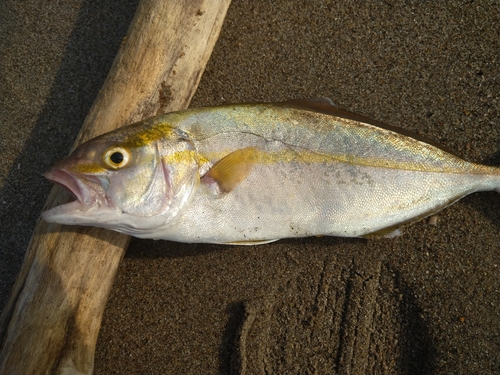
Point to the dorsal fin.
(232, 169)
(325, 105)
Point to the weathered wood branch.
(52, 319)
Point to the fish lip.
(87, 190)
(66, 180)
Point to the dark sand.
(424, 303)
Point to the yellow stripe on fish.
(257, 156)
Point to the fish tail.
(488, 178)
(495, 181)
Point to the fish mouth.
(87, 192)
(67, 181)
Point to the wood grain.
(52, 319)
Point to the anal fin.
(389, 232)
(249, 243)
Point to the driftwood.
(51, 322)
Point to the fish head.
(134, 180)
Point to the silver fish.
(255, 173)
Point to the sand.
(426, 302)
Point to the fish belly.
(311, 199)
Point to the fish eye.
(116, 157)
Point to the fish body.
(254, 173)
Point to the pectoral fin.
(231, 170)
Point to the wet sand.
(426, 302)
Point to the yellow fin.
(232, 169)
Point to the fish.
(250, 174)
